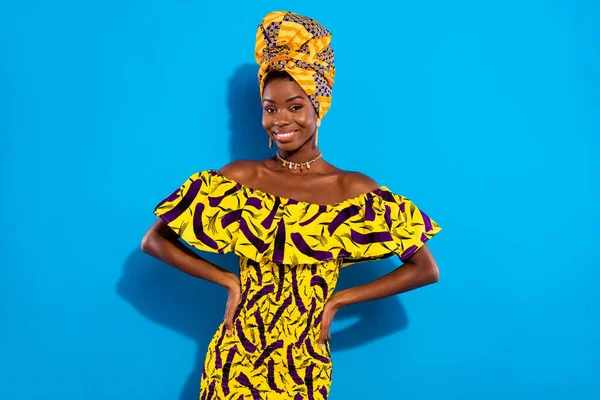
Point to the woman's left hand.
(331, 307)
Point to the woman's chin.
(289, 146)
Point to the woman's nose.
(281, 118)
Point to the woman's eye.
(270, 110)
(296, 108)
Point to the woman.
(294, 220)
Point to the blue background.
(485, 114)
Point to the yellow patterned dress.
(290, 257)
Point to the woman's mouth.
(285, 136)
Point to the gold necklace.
(295, 165)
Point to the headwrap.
(300, 46)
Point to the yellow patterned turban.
(301, 47)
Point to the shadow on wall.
(195, 308)
(248, 140)
(177, 301)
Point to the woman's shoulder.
(239, 170)
(357, 183)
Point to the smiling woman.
(294, 220)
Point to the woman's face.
(288, 115)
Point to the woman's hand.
(331, 307)
(234, 294)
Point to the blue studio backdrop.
(485, 114)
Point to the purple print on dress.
(267, 352)
(387, 217)
(385, 195)
(211, 390)
(291, 367)
(218, 362)
(319, 281)
(279, 246)
(314, 354)
(408, 253)
(296, 292)
(244, 381)
(269, 220)
(372, 237)
(286, 303)
(304, 248)
(307, 328)
(172, 197)
(260, 245)
(243, 299)
(427, 221)
(231, 217)
(215, 201)
(248, 345)
(254, 202)
(262, 292)
(321, 210)
(271, 377)
(199, 228)
(369, 212)
(281, 269)
(342, 217)
(323, 392)
(318, 319)
(261, 328)
(257, 269)
(343, 253)
(308, 378)
(185, 202)
(227, 369)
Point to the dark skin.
(290, 120)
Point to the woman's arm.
(161, 242)
(419, 270)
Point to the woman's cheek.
(267, 121)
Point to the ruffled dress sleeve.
(383, 224)
(195, 212)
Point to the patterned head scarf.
(301, 47)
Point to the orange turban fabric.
(300, 46)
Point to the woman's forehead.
(283, 88)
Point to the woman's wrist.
(232, 282)
(339, 299)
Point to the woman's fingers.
(228, 326)
(232, 303)
(324, 335)
(229, 313)
(233, 299)
(326, 319)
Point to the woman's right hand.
(234, 294)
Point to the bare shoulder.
(357, 183)
(239, 170)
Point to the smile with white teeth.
(284, 134)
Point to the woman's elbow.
(432, 273)
(429, 272)
(147, 241)
(159, 230)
